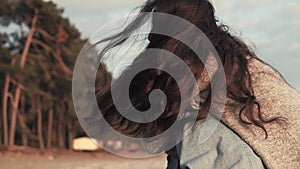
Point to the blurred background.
(270, 27)
(40, 41)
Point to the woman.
(260, 123)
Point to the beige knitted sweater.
(281, 150)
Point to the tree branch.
(45, 34)
(56, 56)
(11, 97)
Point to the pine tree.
(37, 75)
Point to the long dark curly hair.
(234, 55)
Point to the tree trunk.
(14, 117)
(1, 129)
(23, 123)
(50, 127)
(18, 90)
(4, 109)
(70, 134)
(54, 132)
(23, 130)
(61, 129)
(29, 38)
(40, 126)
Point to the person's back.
(240, 146)
(277, 98)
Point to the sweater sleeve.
(223, 150)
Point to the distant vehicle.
(85, 144)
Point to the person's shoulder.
(259, 66)
(268, 80)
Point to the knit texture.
(277, 99)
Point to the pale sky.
(271, 25)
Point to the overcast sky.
(271, 25)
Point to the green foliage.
(45, 78)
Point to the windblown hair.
(234, 55)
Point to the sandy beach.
(77, 160)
